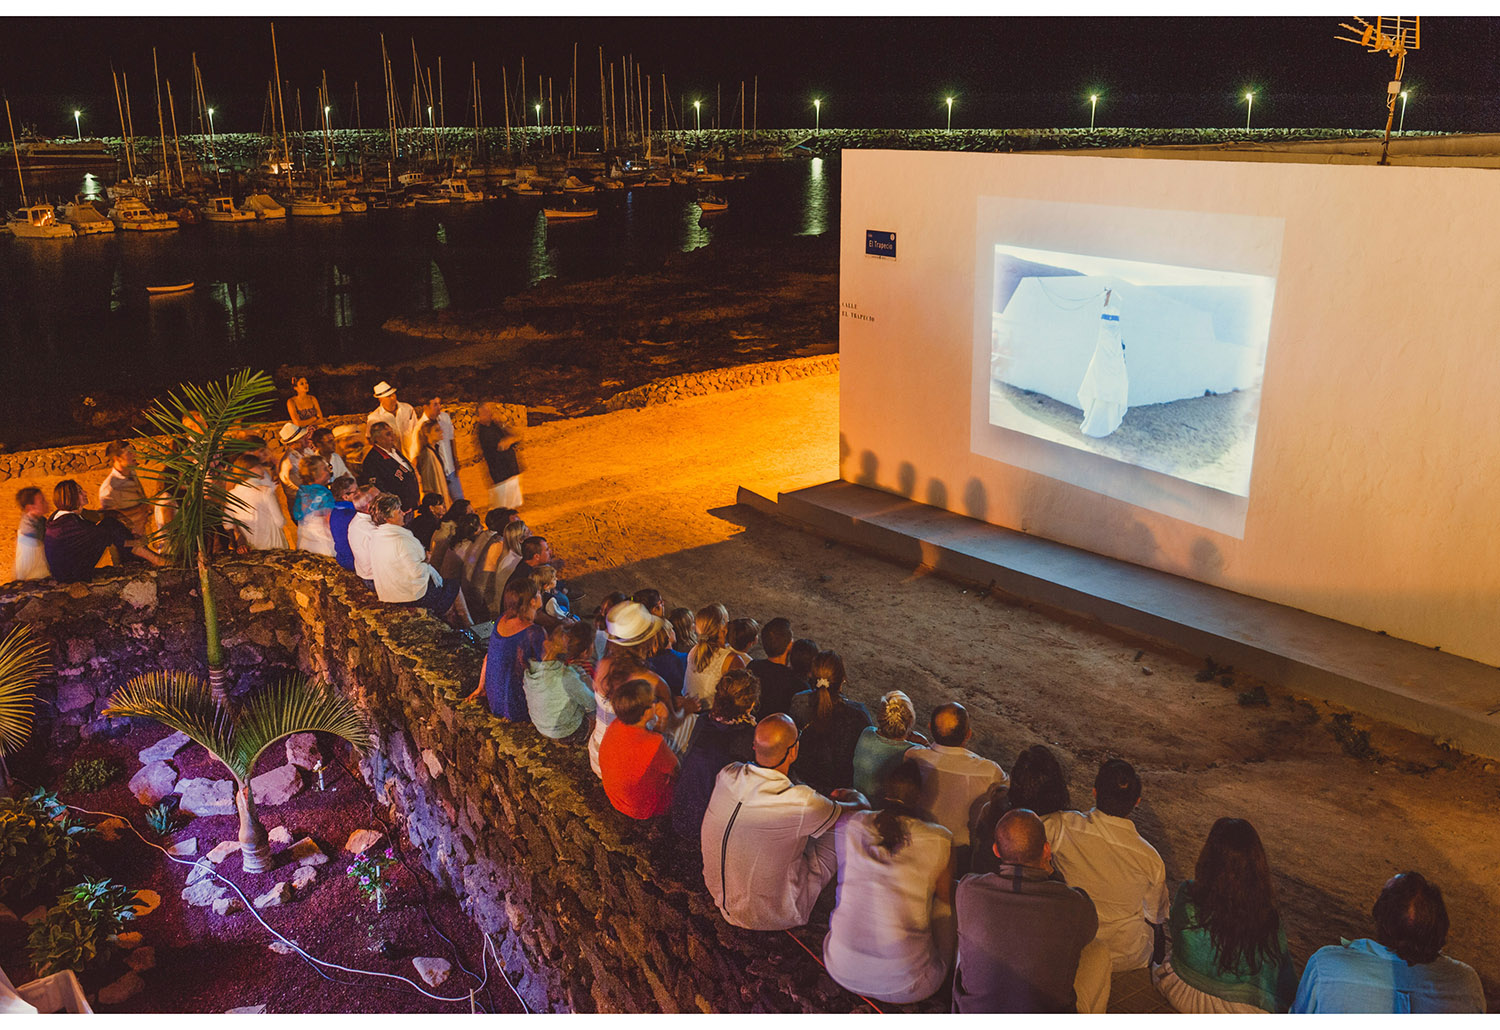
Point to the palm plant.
(22, 661)
(295, 705)
(201, 433)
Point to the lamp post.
(1249, 106)
(430, 124)
(538, 116)
(817, 117)
(698, 114)
(210, 123)
(1402, 126)
(79, 128)
(1093, 106)
(950, 114)
(326, 109)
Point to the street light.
(326, 109)
(698, 113)
(817, 117)
(538, 116)
(77, 114)
(1402, 126)
(1249, 106)
(430, 124)
(950, 114)
(210, 123)
(1093, 106)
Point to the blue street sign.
(880, 244)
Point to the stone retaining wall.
(592, 911)
(718, 380)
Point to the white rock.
(433, 970)
(277, 895)
(202, 796)
(361, 841)
(122, 990)
(164, 748)
(130, 940)
(302, 750)
(279, 835)
(303, 877)
(277, 786)
(200, 871)
(153, 782)
(248, 1010)
(141, 959)
(146, 902)
(281, 948)
(183, 848)
(223, 850)
(307, 852)
(430, 759)
(203, 893)
(229, 905)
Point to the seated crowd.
(947, 871)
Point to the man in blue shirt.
(1402, 969)
(338, 520)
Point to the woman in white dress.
(1104, 393)
(892, 935)
(262, 521)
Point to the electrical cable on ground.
(819, 961)
(249, 907)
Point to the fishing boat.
(709, 204)
(264, 207)
(84, 217)
(458, 191)
(38, 222)
(561, 214)
(158, 291)
(222, 209)
(131, 215)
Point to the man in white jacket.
(399, 566)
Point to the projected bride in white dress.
(1104, 393)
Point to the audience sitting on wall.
(633, 636)
(880, 748)
(1402, 969)
(723, 735)
(831, 726)
(670, 663)
(76, 539)
(515, 640)
(1228, 946)
(956, 783)
(432, 413)
(636, 765)
(1101, 852)
(558, 696)
(767, 843)
(1037, 784)
(31, 554)
(400, 570)
(778, 683)
(389, 469)
(296, 444)
(312, 509)
(429, 516)
(892, 935)
(1025, 938)
(122, 492)
(426, 460)
(343, 490)
(442, 536)
(325, 446)
(361, 530)
(799, 659)
(711, 657)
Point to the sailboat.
(33, 221)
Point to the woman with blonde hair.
(711, 657)
(881, 747)
(830, 724)
(313, 505)
(429, 464)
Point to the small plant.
(38, 844)
(1257, 698)
(1355, 742)
(162, 818)
(76, 932)
(90, 774)
(368, 873)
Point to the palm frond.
(181, 701)
(23, 659)
(295, 705)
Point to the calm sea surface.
(76, 321)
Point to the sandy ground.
(646, 498)
(1207, 440)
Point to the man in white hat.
(397, 414)
(296, 442)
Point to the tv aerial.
(1395, 35)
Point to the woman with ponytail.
(881, 747)
(711, 657)
(892, 934)
(830, 724)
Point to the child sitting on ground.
(636, 764)
(554, 602)
(558, 696)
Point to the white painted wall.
(1376, 483)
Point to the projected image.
(1155, 365)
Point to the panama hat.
(629, 623)
(384, 389)
(291, 432)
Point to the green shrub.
(75, 933)
(38, 844)
(90, 774)
(162, 818)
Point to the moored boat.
(131, 215)
(352, 204)
(709, 204)
(222, 209)
(561, 214)
(311, 207)
(459, 191)
(157, 291)
(264, 207)
(47, 156)
(38, 222)
(84, 217)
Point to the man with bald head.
(955, 781)
(767, 850)
(1025, 938)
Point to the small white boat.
(39, 222)
(263, 207)
(84, 217)
(573, 184)
(557, 214)
(130, 214)
(430, 199)
(525, 189)
(458, 191)
(709, 204)
(157, 291)
(312, 207)
(222, 209)
(350, 204)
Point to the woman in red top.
(635, 763)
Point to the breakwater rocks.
(592, 911)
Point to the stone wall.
(592, 911)
(718, 380)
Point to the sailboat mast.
(16, 152)
(286, 149)
(755, 112)
(129, 117)
(129, 164)
(640, 104)
(161, 126)
(176, 144)
(573, 142)
(505, 88)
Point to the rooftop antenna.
(1394, 34)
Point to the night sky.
(869, 72)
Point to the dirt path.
(645, 498)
